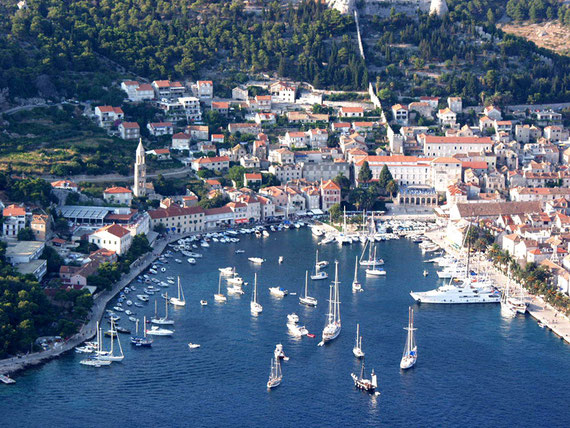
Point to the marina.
(455, 339)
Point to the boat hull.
(422, 298)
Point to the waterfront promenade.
(89, 330)
(551, 318)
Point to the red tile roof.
(212, 159)
(174, 211)
(114, 229)
(116, 190)
(14, 211)
(432, 139)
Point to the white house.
(180, 141)
(160, 128)
(113, 238)
(447, 117)
(400, 114)
(108, 115)
(351, 112)
(129, 130)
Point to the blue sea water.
(474, 367)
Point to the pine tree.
(365, 173)
(385, 177)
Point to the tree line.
(159, 39)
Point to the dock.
(538, 309)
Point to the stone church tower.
(139, 188)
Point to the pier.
(551, 318)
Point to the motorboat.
(280, 261)
(227, 271)
(239, 251)
(294, 318)
(193, 345)
(457, 294)
(278, 291)
(256, 260)
(191, 260)
(159, 331)
(204, 302)
(297, 330)
(142, 297)
(235, 289)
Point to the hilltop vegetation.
(160, 39)
(467, 56)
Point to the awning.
(241, 220)
(317, 211)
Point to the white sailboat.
(356, 286)
(144, 340)
(319, 274)
(333, 324)
(180, 300)
(110, 356)
(342, 237)
(275, 375)
(306, 299)
(321, 263)
(371, 258)
(374, 271)
(410, 354)
(508, 310)
(164, 320)
(357, 350)
(219, 297)
(254, 306)
(96, 360)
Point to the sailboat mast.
(336, 294)
(356, 270)
(166, 304)
(330, 314)
(306, 282)
(357, 333)
(144, 326)
(255, 288)
(112, 334)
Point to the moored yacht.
(254, 306)
(306, 299)
(333, 325)
(456, 294)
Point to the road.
(172, 173)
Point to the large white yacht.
(458, 293)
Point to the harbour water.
(474, 367)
